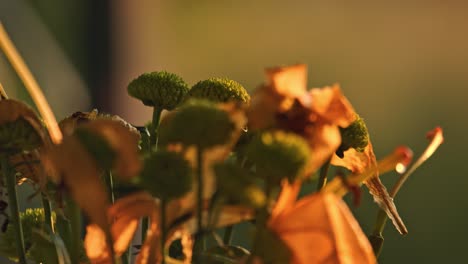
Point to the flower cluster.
(212, 156)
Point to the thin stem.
(74, 216)
(154, 144)
(31, 85)
(322, 181)
(14, 208)
(47, 212)
(228, 232)
(199, 245)
(109, 181)
(163, 230)
(155, 127)
(3, 94)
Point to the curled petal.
(332, 106)
(123, 141)
(436, 138)
(324, 221)
(289, 81)
(365, 162)
(323, 139)
(81, 176)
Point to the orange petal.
(331, 105)
(286, 198)
(322, 222)
(123, 141)
(95, 244)
(289, 81)
(324, 139)
(81, 176)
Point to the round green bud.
(166, 175)
(279, 155)
(220, 90)
(162, 90)
(238, 186)
(199, 123)
(354, 136)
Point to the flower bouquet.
(212, 157)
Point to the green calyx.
(18, 135)
(354, 136)
(197, 123)
(237, 185)
(166, 175)
(220, 90)
(162, 90)
(279, 155)
(97, 147)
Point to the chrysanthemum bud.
(354, 136)
(197, 123)
(238, 186)
(220, 90)
(279, 155)
(161, 90)
(166, 175)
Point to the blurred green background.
(403, 65)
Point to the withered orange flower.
(125, 213)
(319, 228)
(285, 103)
(73, 164)
(358, 163)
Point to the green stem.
(376, 238)
(163, 230)
(228, 232)
(47, 212)
(261, 221)
(155, 127)
(322, 181)
(109, 181)
(10, 179)
(199, 245)
(74, 216)
(154, 145)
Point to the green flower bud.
(220, 90)
(161, 90)
(198, 122)
(238, 186)
(279, 155)
(166, 175)
(354, 136)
